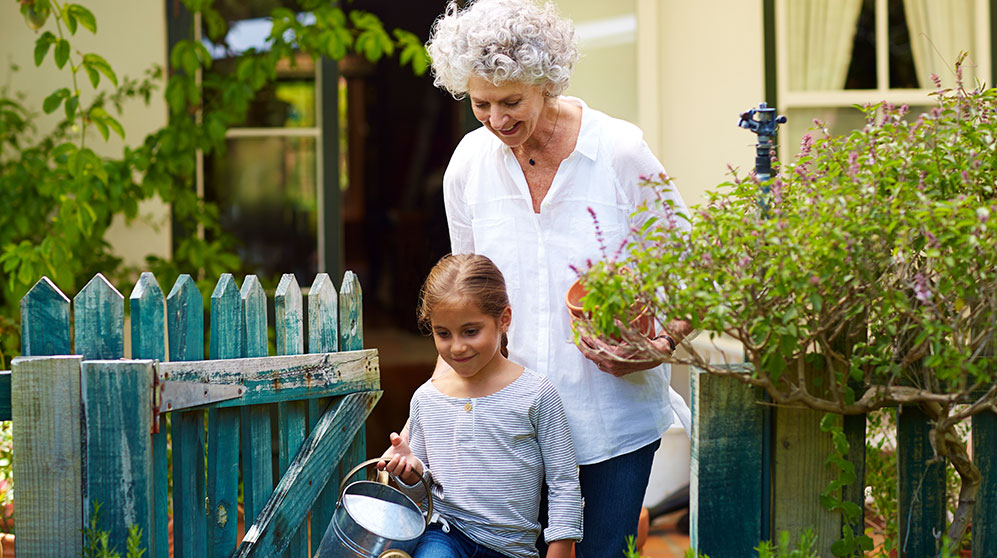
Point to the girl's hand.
(403, 464)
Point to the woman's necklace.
(551, 136)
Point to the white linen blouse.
(490, 212)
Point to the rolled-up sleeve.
(564, 494)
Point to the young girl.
(487, 433)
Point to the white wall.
(606, 73)
(131, 36)
(683, 71)
(702, 64)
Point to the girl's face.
(510, 111)
(468, 340)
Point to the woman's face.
(510, 111)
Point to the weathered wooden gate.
(92, 429)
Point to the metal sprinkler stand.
(762, 121)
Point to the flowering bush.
(863, 276)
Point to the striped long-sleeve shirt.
(486, 458)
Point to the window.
(268, 181)
(834, 54)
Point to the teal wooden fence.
(757, 470)
(91, 428)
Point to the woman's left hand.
(622, 359)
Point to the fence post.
(257, 467)
(726, 466)
(922, 486)
(45, 321)
(118, 408)
(323, 337)
(185, 323)
(985, 457)
(99, 311)
(351, 339)
(223, 424)
(48, 474)
(148, 307)
(291, 416)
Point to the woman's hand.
(621, 359)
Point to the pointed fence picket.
(87, 431)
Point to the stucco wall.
(683, 72)
(131, 36)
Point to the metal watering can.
(373, 520)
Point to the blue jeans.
(435, 543)
(614, 492)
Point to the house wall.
(683, 71)
(131, 36)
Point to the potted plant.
(865, 266)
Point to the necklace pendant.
(532, 162)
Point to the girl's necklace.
(551, 136)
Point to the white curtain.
(821, 33)
(939, 31)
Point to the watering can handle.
(429, 493)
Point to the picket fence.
(757, 470)
(91, 428)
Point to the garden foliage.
(861, 276)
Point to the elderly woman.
(520, 190)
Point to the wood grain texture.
(119, 476)
(985, 457)
(47, 441)
(726, 466)
(257, 465)
(350, 313)
(922, 486)
(291, 415)
(185, 322)
(45, 321)
(800, 475)
(148, 325)
(323, 337)
(284, 378)
(99, 316)
(323, 316)
(223, 424)
(308, 473)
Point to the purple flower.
(937, 81)
(806, 144)
(921, 290)
(853, 164)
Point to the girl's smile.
(468, 340)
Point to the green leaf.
(93, 74)
(84, 16)
(71, 104)
(97, 62)
(42, 45)
(71, 22)
(116, 126)
(53, 101)
(61, 53)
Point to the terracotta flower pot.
(642, 319)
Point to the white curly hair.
(502, 41)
